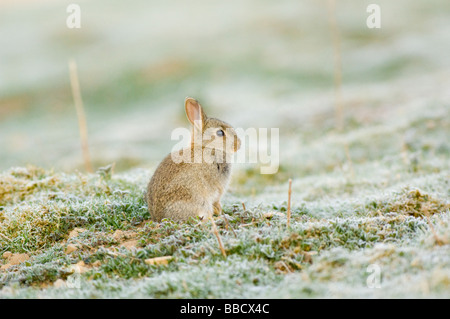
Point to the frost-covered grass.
(405, 234)
(374, 195)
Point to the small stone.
(76, 231)
(4, 267)
(6, 254)
(269, 215)
(118, 235)
(16, 259)
(80, 267)
(73, 234)
(71, 248)
(130, 244)
(158, 260)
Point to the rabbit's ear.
(195, 112)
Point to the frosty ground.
(370, 202)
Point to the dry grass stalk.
(249, 224)
(243, 206)
(289, 204)
(75, 84)
(216, 232)
(334, 29)
(228, 225)
(339, 104)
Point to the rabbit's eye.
(220, 133)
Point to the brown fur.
(182, 190)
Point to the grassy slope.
(351, 209)
(325, 253)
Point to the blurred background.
(252, 63)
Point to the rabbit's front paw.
(217, 208)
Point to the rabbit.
(190, 182)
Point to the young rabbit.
(190, 182)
